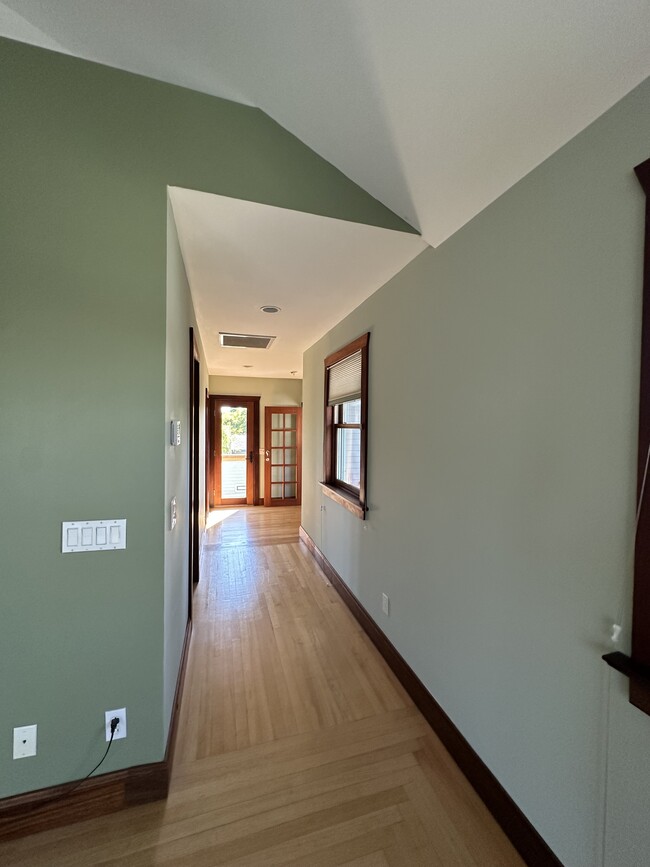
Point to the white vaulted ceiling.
(240, 256)
(435, 107)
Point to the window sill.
(343, 498)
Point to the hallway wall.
(504, 373)
(86, 155)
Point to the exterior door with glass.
(282, 455)
(233, 450)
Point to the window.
(346, 428)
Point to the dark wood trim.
(214, 482)
(193, 467)
(356, 504)
(523, 836)
(178, 695)
(206, 437)
(343, 498)
(639, 693)
(268, 447)
(43, 809)
(349, 349)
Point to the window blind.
(345, 380)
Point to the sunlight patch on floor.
(218, 516)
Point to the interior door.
(233, 443)
(282, 455)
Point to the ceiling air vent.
(245, 341)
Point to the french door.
(234, 423)
(282, 455)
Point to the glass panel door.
(233, 448)
(282, 456)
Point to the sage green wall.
(502, 454)
(271, 391)
(86, 154)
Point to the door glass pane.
(276, 456)
(290, 456)
(276, 420)
(276, 492)
(348, 456)
(233, 451)
(289, 438)
(276, 438)
(289, 491)
(289, 420)
(276, 474)
(289, 474)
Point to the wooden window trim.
(637, 665)
(354, 502)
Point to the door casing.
(252, 403)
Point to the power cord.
(68, 790)
(114, 724)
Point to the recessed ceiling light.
(270, 308)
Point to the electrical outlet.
(385, 604)
(120, 731)
(24, 742)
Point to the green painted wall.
(502, 459)
(86, 154)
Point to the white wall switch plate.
(385, 603)
(120, 731)
(24, 742)
(107, 535)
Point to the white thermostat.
(175, 433)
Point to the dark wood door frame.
(268, 451)
(194, 472)
(214, 483)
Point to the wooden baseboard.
(32, 812)
(523, 836)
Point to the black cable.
(114, 724)
(36, 805)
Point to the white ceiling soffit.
(240, 256)
(435, 107)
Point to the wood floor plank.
(296, 744)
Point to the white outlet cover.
(120, 731)
(385, 603)
(24, 742)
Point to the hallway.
(296, 743)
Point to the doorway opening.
(233, 442)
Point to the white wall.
(179, 318)
(502, 453)
(272, 392)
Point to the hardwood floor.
(296, 745)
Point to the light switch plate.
(24, 742)
(107, 535)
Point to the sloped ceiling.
(435, 107)
(240, 256)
